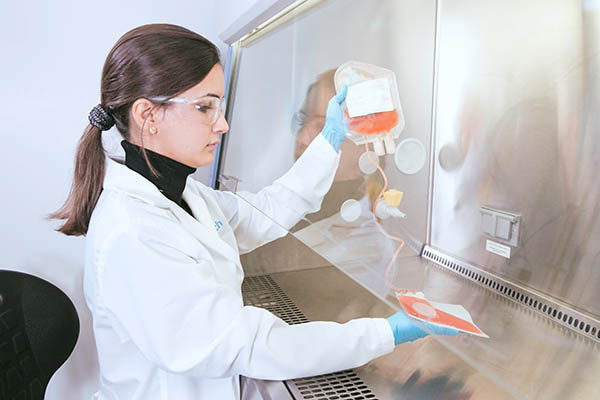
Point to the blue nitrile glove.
(334, 130)
(406, 329)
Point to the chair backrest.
(39, 327)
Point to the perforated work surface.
(263, 291)
(337, 386)
(19, 376)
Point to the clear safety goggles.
(209, 106)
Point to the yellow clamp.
(393, 197)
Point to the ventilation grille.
(263, 291)
(338, 386)
(559, 313)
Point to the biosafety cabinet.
(499, 165)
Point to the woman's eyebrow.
(213, 95)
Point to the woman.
(162, 271)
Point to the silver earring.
(153, 130)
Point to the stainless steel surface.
(547, 306)
(528, 356)
(285, 254)
(518, 94)
(422, 370)
(256, 389)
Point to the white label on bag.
(369, 97)
(497, 248)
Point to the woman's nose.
(221, 126)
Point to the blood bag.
(446, 315)
(372, 106)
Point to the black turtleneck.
(172, 174)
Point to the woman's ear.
(142, 115)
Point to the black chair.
(38, 331)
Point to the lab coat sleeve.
(259, 218)
(175, 310)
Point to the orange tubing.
(387, 235)
(373, 123)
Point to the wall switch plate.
(500, 225)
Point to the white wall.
(53, 55)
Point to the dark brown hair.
(148, 61)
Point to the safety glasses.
(208, 106)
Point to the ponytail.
(88, 177)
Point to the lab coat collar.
(120, 178)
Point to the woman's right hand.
(334, 130)
(406, 329)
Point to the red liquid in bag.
(373, 123)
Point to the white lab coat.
(164, 289)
